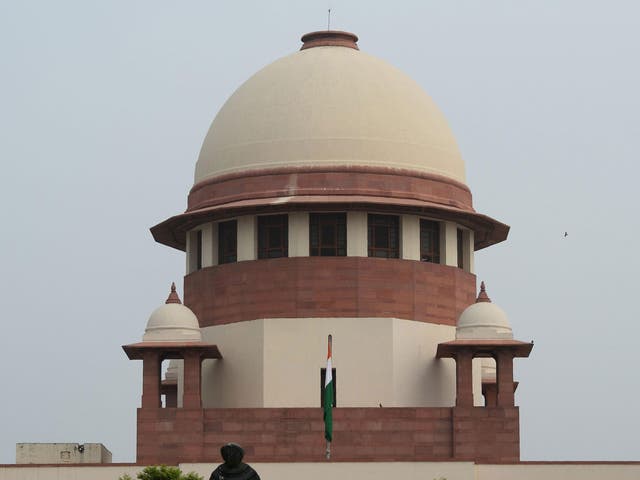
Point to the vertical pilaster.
(207, 245)
(151, 379)
(299, 234)
(469, 265)
(357, 234)
(192, 396)
(464, 379)
(449, 244)
(504, 379)
(247, 238)
(410, 237)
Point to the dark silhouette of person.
(233, 468)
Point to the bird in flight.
(566, 234)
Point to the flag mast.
(328, 400)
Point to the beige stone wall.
(277, 362)
(27, 453)
(237, 379)
(353, 471)
(559, 471)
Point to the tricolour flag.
(328, 397)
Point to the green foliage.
(162, 472)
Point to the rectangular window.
(323, 374)
(273, 236)
(328, 234)
(384, 236)
(228, 242)
(429, 241)
(199, 250)
(460, 248)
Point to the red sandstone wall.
(173, 435)
(329, 287)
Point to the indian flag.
(328, 397)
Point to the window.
(328, 234)
(228, 242)
(429, 241)
(273, 236)
(323, 374)
(460, 248)
(384, 236)
(199, 250)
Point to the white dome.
(483, 320)
(172, 322)
(328, 106)
(488, 369)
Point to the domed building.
(330, 198)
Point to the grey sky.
(103, 108)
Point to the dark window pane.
(384, 236)
(273, 236)
(429, 241)
(327, 234)
(460, 249)
(199, 250)
(228, 242)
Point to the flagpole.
(328, 417)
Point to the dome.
(172, 322)
(488, 370)
(329, 106)
(483, 320)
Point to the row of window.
(328, 237)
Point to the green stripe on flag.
(328, 409)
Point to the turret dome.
(172, 322)
(483, 320)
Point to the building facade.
(330, 198)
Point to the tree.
(163, 472)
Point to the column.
(151, 379)
(207, 245)
(449, 244)
(489, 392)
(464, 378)
(504, 378)
(299, 234)
(410, 237)
(357, 234)
(247, 238)
(192, 397)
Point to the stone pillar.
(151, 379)
(489, 392)
(449, 244)
(192, 396)
(299, 234)
(357, 234)
(504, 379)
(464, 378)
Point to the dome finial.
(329, 38)
(173, 296)
(482, 296)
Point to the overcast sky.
(103, 109)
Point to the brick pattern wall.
(170, 435)
(329, 287)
